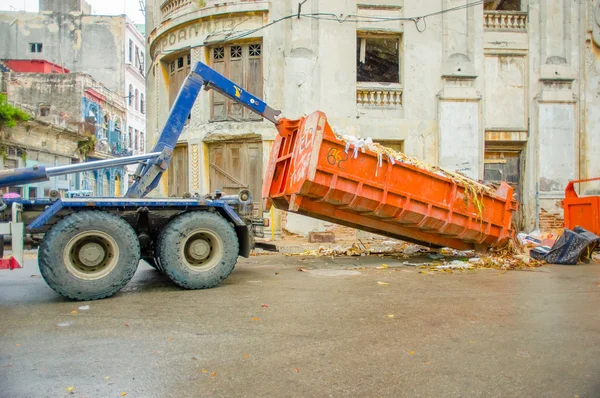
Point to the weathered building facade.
(506, 90)
(108, 48)
(68, 109)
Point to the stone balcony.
(379, 97)
(507, 21)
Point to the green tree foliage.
(9, 115)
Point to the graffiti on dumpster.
(336, 157)
(302, 157)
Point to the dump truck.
(91, 246)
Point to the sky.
(101, 7)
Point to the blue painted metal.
(122, 204)
(26, 175)
(46, 215)
(220, 83)
(29, 175)
(201, 76)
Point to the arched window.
(130, 94)
(142, 103)
(137, 94)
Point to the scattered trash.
(296, 370)
(435, 256)
(204, 371)
(107, 377)
(390, 315)
(64, 324)
(302, 269)
(412, 353)
(572, 247)
(474, 259)
(256, 319)
(412, 249)
(35, 276)
(213, 374)
(383, 266)
(265, 305)
(246, 356)
(123, 393)
(383, 283)
(73, 312)
(84, 308)
(70, 389)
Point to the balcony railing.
(515, 21)
(170, 6)
(379, 97)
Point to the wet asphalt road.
(270, 330)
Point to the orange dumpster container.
(581, 211)
(310, 173)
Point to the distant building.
(67, 109)
(108, 48)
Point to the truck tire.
(89, 255)
(198, 250)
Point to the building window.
(142, 143)
(137, 57)
(142, 105)
(44, 110)
(378, 59)
(179, 68)
(136, 143)
(142, 70)
(218, 53)
(35, 47)
(130, 51)
(130, 94)
(241, 63)
(131, 137)
(137, 93)
(503, 5)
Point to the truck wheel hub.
(199, 249)
(91, 254)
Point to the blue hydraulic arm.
(30, 175)
(148, 175)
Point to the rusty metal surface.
(311, 173)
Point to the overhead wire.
(323, 16)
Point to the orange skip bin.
(311, 173)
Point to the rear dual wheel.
(89, 255)
(198, 250)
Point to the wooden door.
(235, 166)
(178, 172)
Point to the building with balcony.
(108, 48)
(505, 90)
(75, 118)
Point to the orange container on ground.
(581, 211)
(310, 173)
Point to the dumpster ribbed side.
(312, 173)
